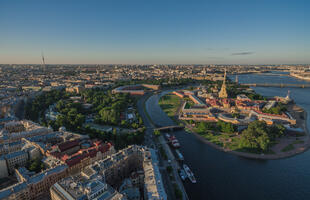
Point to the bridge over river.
(281, 85)
(169, 128)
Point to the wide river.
(224, 176)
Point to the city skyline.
(136, 32)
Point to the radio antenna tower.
(43, 60)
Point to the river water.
(224, 176)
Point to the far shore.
(305, 78)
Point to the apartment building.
(111, 171)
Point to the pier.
(280, 85)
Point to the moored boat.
(172, 140)
(182, 174)
(189, 173)
(180, 156)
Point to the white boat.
(175, 144)
(173, 141)
(189, 173)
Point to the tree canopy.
(35, 165)
(35, 108)
(258, 136)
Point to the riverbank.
(299, 76)
(285, 146)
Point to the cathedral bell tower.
(223, 92)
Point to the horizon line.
(149, 64)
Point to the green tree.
(35, 165)
(203, 127)
(156, 133)
(225, 127)
(256, 137)
(140, 121)
(134, 125)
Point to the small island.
(235, 119)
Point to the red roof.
(105, 147)
(68, 145)
(84, 153)
(75, 160)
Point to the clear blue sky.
(155, 31)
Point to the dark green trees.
(258, 136)
(35, 165)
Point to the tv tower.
(43, 60)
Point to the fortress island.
(236, 119)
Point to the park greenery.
(106, 109)
(72, 115)
(35, 165)
(119, 140)
(220, 126)
(169, 104)
(277, 110)
(107, 106)
(35, 109)
(156, 133)
(255, 96)
(289, 147)
(259, 137)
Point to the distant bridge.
(169, 128)
(271, 74)
(281, 85)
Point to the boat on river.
(180, 156)
(189, 173)
(173, 140)
(182, 174)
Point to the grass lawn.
(229, 141)
(298, 142)
(289, 147)
(270, 152)
(170, 104)
(215, 138)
